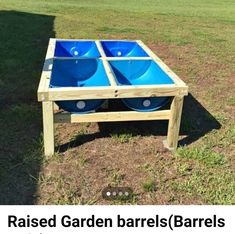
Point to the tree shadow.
(196, 122)
(23, 43)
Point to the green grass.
(195, 37)
(184, 169)
(231, 101)
(203, 155)
(122, 137)
(115, 177)
(149, 186)
(204, 183)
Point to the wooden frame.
(48, 96)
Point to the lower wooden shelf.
(65, 117)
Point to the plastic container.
(141, 72)
(123, 49)
(79, 73)
(85, 49)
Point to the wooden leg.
(48, 128)
(174, 123)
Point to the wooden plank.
(109, 73)
(85, 93)
(100, 48)
(165, 68)
(107, 68)
(112, 116)
(48, 128)
(47, 69)
(174, 123)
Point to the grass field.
(195, 38)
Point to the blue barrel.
(123, 49)
(141, 72)
(79, 73)
(85, 49)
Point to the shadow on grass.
(23, 42)
(196, 122)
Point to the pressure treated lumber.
(111, 116)
(52, 114)
(48, 128)
(174, 122)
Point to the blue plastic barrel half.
(77, 49)
(123, 49)
(141, 72)
(79, 73)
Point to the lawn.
(195, 38)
